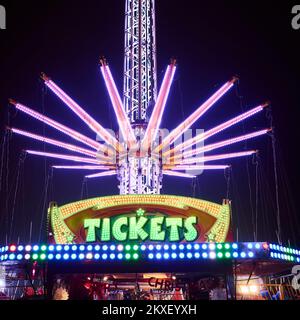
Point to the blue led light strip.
(146, 252)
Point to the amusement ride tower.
(140, 174)
(139, 154)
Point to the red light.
(12, 248)
(265, 246)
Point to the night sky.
(212, 41)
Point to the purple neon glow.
(200, 167)
(57, 143)
(224, 143)
(83, 167)
(66, 157)
(217, 157)
(156, 116)
(83, 115)
(102, 174)
(115, 98)
(54, 124)
(186, 124)
(177, 174)
(207, 134)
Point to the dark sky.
(212, 40)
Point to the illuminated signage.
(152, 227)
(139, 218)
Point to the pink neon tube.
(177, 174)
(57, 143)
(83, 167)
(54, 124)
(92, 123)
(121, 115)
(205, 135)
(201, 167)
(217, 157)
(102, 174)
(66, 157)
(155, 119)
(224, 143)
(196, 115)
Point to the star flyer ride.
(141, 230)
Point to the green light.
(105, 232)
(43, 256)
(219, 246)
(227, 246)
(136, 228)
(156, 233)
(43, 248)
(220, 255)
(135, 256)
(127, 256)
(227, 255)
(135, 247)
(127, 247)
(173, 224)
(117, 232)
(191, 233)
(91, 225)
(34, 256)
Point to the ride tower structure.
(141, 153)
(141, 172)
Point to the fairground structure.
(141, 244)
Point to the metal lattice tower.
(140, 82)
(140, 174)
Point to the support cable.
(255, 161)
(241, 100)
(273, 139)
(20, 167)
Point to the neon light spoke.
(201, 167)
(102, 174)
(54, 124)
(156, 116)
(66, 157)
(224, 143)
(57, 143)
(84, 167)
(177, 174)
(205, 135)
(186, 124)
(122, 118)
(215, 157)
(83, 115)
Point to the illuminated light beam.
(82, 114)
(177, 174)
(201, 167)
(224, 156)
(66, 157)
(102, 174)
(60, 127)
(205, 135)
(123, 120)
(186, 124)
(221, 144)
(84, 167)
(57, 143)
(156, 116)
